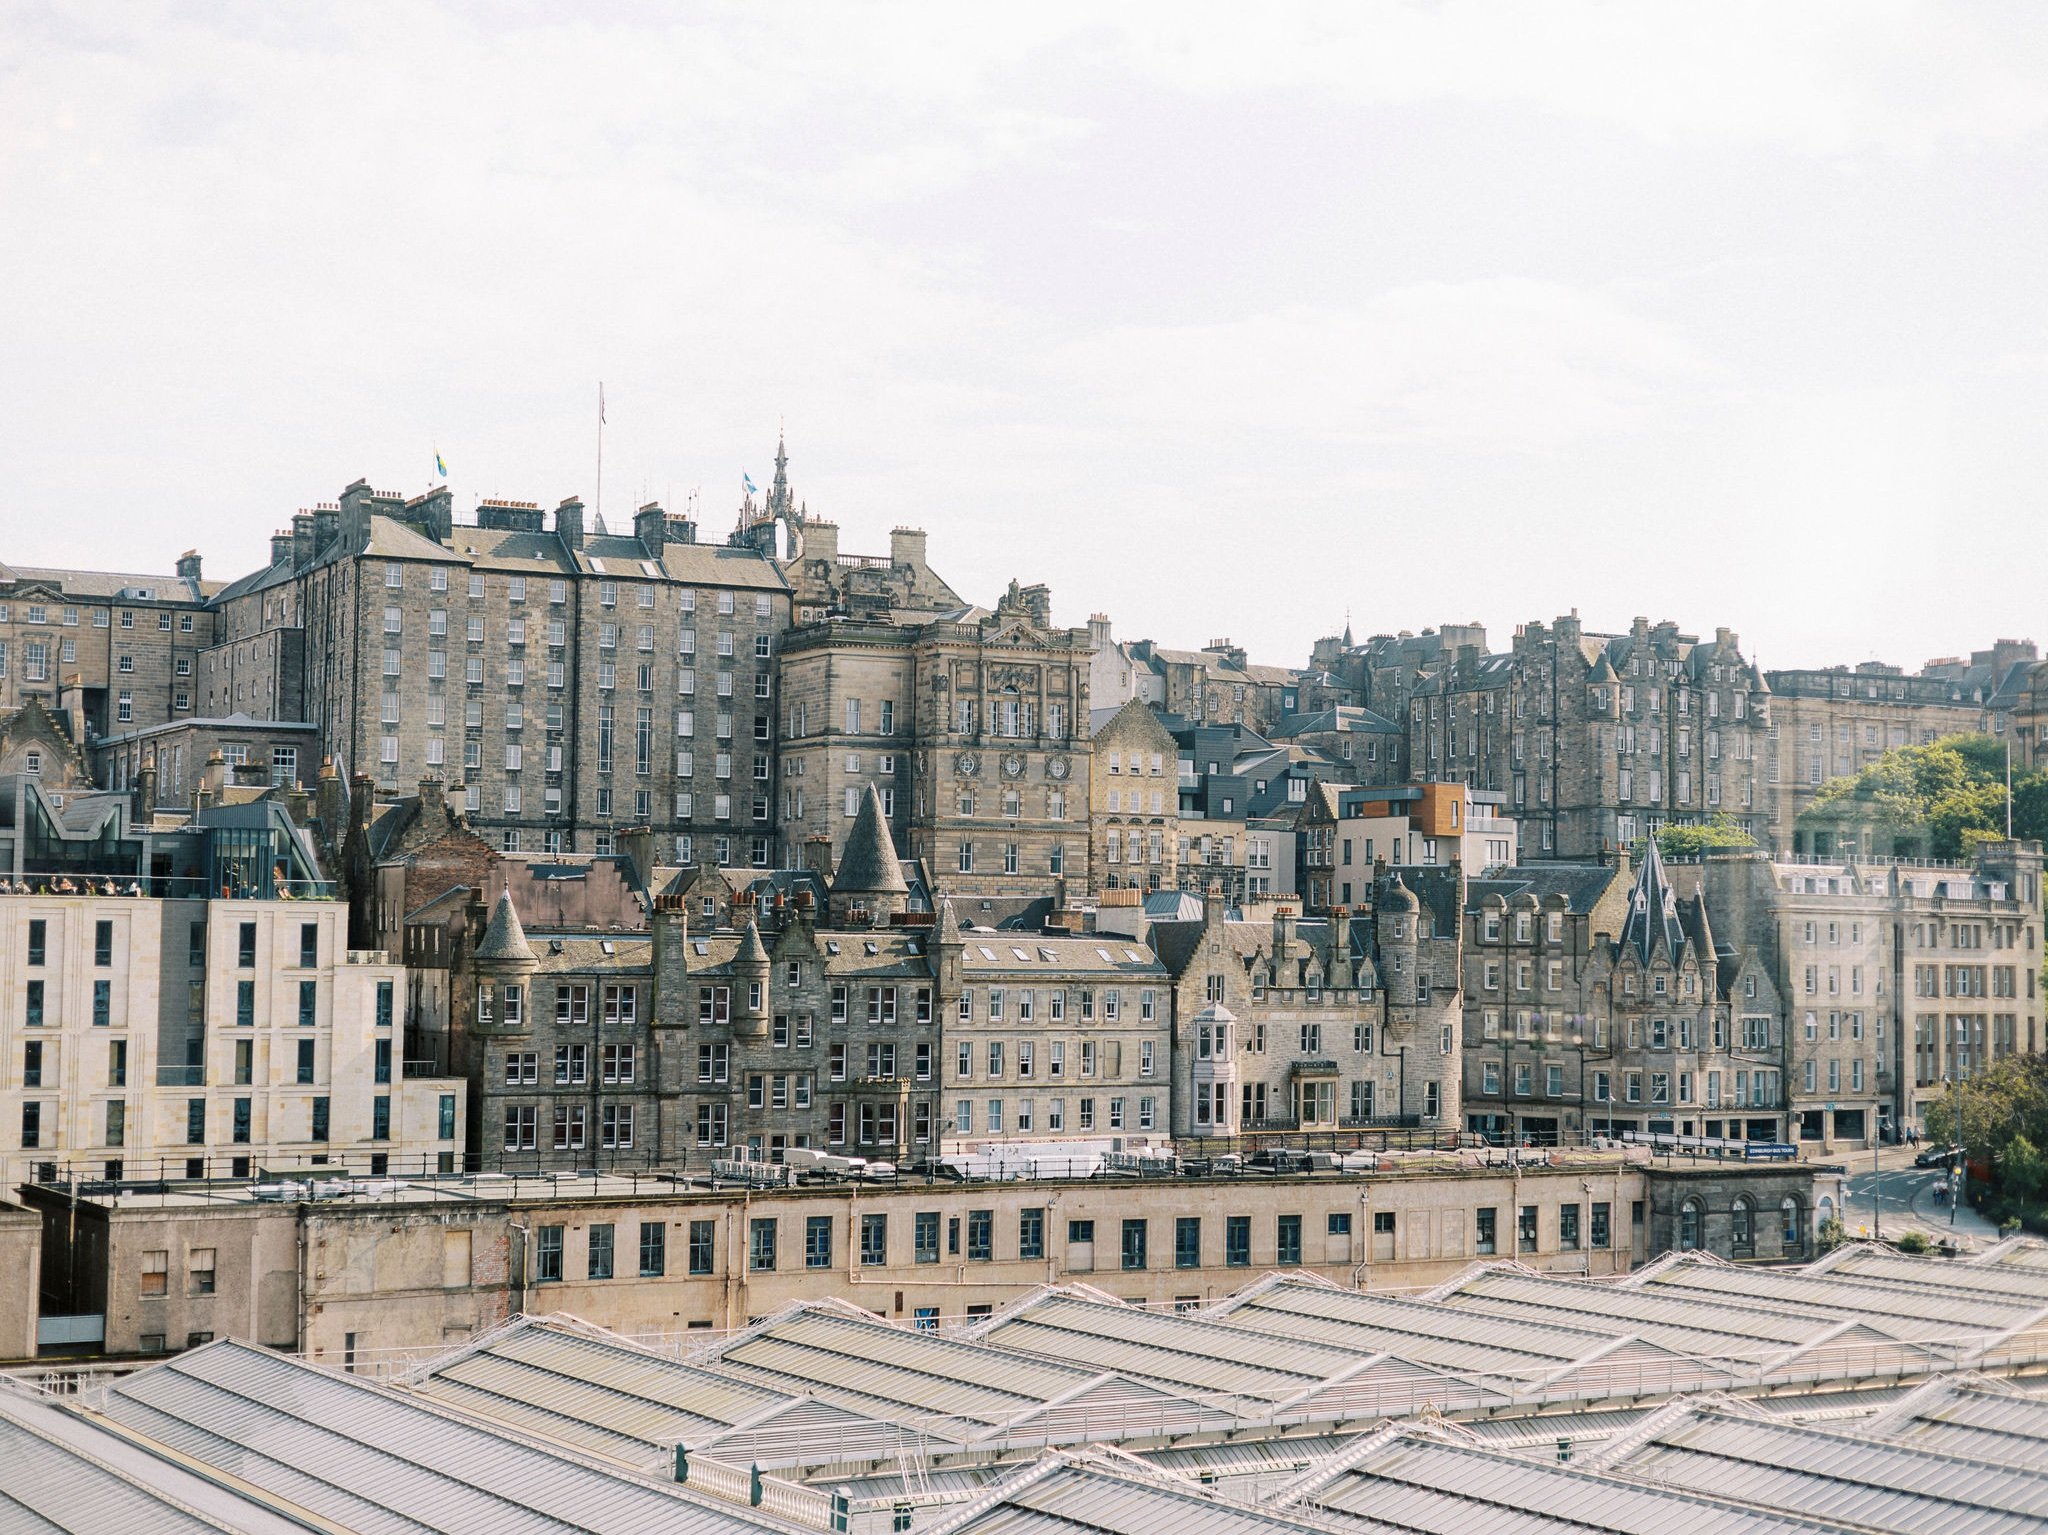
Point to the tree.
(1702, 837)
(1938, 800)
(2022, 1170)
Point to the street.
(1905, 1195)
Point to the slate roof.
(504, 939)
(869, 864)
(1653, 911)
(1582, 885)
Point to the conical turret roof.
(752, 951)
(505, 939)
(1653, 910)
(869, 865)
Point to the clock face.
(1013, 765)
(966, 765)
(1057, 768)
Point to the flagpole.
(598, 511)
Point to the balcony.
(181, 1076)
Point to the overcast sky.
(1224, 320)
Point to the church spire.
(778, 492)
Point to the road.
(1905, 1196)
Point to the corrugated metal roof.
(377, 1461)
(1840, 1476)
(59, 1471)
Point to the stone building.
(123, 647)
(1601, 739)
(407, 1266)
(972, 728)
(1901, 979)
(1318, 1026)
(1052, 1040)
(1219, 685)
(1833, 722)
(565, 683)
(1120, 670)
(1360, 745)
(1133, 801)
(177, 757)
(760, 1030)
(1602, 1004)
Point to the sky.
(1224, 320)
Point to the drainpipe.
(301, 1328)
(524, 1235)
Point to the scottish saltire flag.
(440, 466)
(748, 481)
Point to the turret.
(870, 879)
(750, 985)
(504, 964)
(1396, 921)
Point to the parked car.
(1938, 1156)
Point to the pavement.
(1905, 1202)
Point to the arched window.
(1744, 1221)
(1794, 1228)
(1689, 1225)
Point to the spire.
(752, 951)
(869, 864)
(778, 492)
(504, 940)
(949, 921)
(1347, 629)
(1653, 910)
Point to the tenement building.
(1598, 1004)
(1601, 739)
(1051, 1040)
(565, 681)
(1835, 721)
(1343, 1024)
(750, 1033)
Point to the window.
(925, 1236)
(1134, 1245)
(761, 1244)
(600, 1250)
(1031, 1233)
(981, 1235)
(548, 1254)
(1288, 1241)
(874, 1240)
(156, 1268)
(1187, 1242)
(1600, 1225)
(703, 1243)
(1237, 1241)
(1483, 1225)
(818, 1242)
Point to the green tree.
(2022, 1170)
(1706, 836)
(1939, 800)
